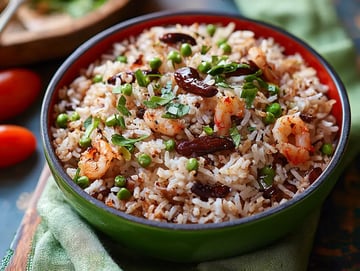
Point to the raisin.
(172, 38)
(314, 174)
(204, 145)
(189, 80)
(206, 191)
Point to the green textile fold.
(64, 241)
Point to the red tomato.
(16, 144)
(19, 88)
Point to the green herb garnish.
(235, 136)
(176, 110)
(142, 79)
(166, 96)
(121, 106)
(128, 143)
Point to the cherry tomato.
(19, 88)
(16, 144)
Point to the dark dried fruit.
(204, 145)
(306, 117)
(290, 187)
(206, 191)
(314, 174)
(172, 38)
(189, 80)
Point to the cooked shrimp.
(258, 57)
(96, 160)
(170, 127)
(225, 108)
(293, 138)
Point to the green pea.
(226, 48)
(174, 56)
(123, 194)
(144, 160)
(97, 78)
(208, 130)
(327, 149)
(269, 118)
(192, 164)
(170, 144)
(75, 116)
(122, 59)
(120, 181)
(221, 41)
(126, 89)
(155, 63)
(185, 49)
(204, 66)
(275, 109)
(210, 28)
(83, 181)
(85, 142)
(62, 120)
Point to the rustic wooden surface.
(31, 38)
(22, 242)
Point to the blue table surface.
(20, 180)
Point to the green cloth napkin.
(64, 241)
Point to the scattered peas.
(225, 47)
(275, 109)
(192, 164)
(170, 144)
(97, 78)
(83, 181)
(269, 118)
(75, 116)
(123, 194)
(120, 181)
(85, 142)
(126, 89)
(62, 120)
(208, 130)
(144, 160)
(185, 49)
(204, 66)
(210, 28)
(155, 63)
(327, 149)
(174, 56)
(122, 59)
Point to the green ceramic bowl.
(195, 242)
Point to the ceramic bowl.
(194, 242)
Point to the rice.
(248, 158)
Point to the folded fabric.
(65, 242)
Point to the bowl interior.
(92, 49)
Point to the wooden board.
(31, 37)
(21, 244)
